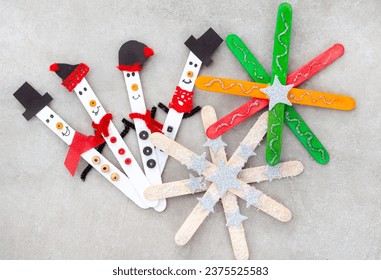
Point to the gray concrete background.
(47, 214)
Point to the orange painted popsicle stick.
(296, 95)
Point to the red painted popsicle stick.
(314, 66)
(235, 117)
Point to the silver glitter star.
(207, 202)
(234, 218)
(272, 172)
(195, 183)
(246, 151)
(225, 178)
(199, 163)
(277, 93)
(214, 144)
(252, 197)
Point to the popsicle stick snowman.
(182, 101)
(73, 78)
(132, 56)
(80, 145)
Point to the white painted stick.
(96, 111)
(174, 118)
(66, 133)
(146, 148)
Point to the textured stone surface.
(47, 214)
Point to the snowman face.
(89, 100)
(190, 72)
(133, 84)
(56, 124)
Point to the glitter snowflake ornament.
(224, 180)
(277, 91)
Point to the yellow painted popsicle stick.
(296, 95)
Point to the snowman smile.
(136, 97)
(96, 112)
(67, 132)
(187, 82)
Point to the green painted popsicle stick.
(247, 59)
(305, 135)
(293, 120)
(282, 40)
(279, 68)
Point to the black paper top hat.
(204, 46)
(132, 56)
(31, 100)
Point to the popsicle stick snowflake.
(281, 93)
(223, 180)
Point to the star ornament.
(235, 218)
(272, 172)
(198, 163)
(195, 183)
(277, 93)
(214, 144)
(225, 178)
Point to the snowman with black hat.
(200, 53)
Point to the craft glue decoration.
(223, 180)
(132, 56)
(74, 78)
(200, 53)
(260, 88)
(80, 145)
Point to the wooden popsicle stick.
(229, 201)
(248, 175)
(184, 156)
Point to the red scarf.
(152, 124)
(81, 143)
(182, 100)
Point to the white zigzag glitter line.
(252, 104)
(300, 74)
(247, 61)
(273, 133)
(210, 83)
(299, 123)
(321, 97)
(280, 42)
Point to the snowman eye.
(133, 74)
(47, 120)
(128, 75)
(190, 63)
(51, 116)
(85, 89)
(80, 92)
(195, 65)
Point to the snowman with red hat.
(132, 56)
(74, 79)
